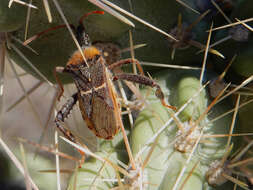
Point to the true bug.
(96, 93)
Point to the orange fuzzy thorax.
(77, 57)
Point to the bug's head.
(82, 37)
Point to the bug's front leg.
(63, 114)
(145, 81)
(59, 70)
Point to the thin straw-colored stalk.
(152, 139)
(70, 30)
(187, 162)
(138, 19)
(244, 83)
(28, 16)
(221, 11)
(233, 121)
(89, 153)
(2, 69)
(37, 116)
(134, 47)
(47, 9)
(233, 24)
(205, 55)
(30, 64)
(27, 182)
(48, 149)
(16, 162)
(50, 113)
(230, 111)
(240, 163)
(58, 177)
(96, 177)
(21, 3)
(188, 176)
(242, 152)
(132, 51)
(112, 12)
(26, 46)
(216, 43)
(169, 66)
(245, 25)
(188, 6)
(29, 92)
(123, 94)
(236, 181)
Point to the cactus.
(194, 150)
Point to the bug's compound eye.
(96, 57)
(86, 39)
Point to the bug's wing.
(99, 116)
(106, 113)
(104, 119)
(85, 108)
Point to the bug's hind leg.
(125, 62)
(145, 81)
(62, 115)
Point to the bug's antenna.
(29, 40)
(82, 37)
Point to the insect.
(96, 94)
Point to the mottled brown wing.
(85, 108)
(104, 119)
(100, 108)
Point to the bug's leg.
(60, 70)
(133, 105)
(126, 61)
(132, 87)
(62, 115)
(145, 81)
